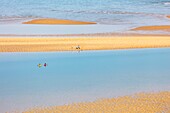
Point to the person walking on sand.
(78, 47)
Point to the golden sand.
(139, 103)
(57, 21)
(92, 43)
(153, 28)
(168, 16)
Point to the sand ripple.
(139, 103)
(88, 43)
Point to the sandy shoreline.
(109, 34)
(70, 44)
(139, 103)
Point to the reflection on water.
(74, 77)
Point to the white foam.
(167, 3)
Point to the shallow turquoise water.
(76, 77)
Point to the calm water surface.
(78, 77)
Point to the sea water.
(72, 77)
(125, 14)
(102, 11)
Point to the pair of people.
(78, 47)
(40, 65)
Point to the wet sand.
(57, 21)
(153, 28)
(168, 16)
(86, 43)
(139, 103)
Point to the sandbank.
(57, 21)
(139, 103)
(153, 28)
(85, 43)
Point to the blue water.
(108, 11)
(130, 13)
(75, 77)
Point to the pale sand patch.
(139, 103)
(153, 28)
(57, 21)
(86, 43)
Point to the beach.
(87, 43)
(139, 103)
(124, 55)
(84, 56)
(81, 88)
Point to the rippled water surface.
(101, 11)
(121, 15)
